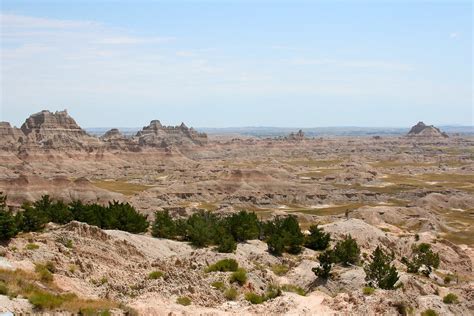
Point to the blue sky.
(238, 63)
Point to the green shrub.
(347, 251)
(243, 226)
(201, 229)
(183, 300)
(368, 290)
(224, 265)
(448, 279)
(429, 312)
(155, 275)
(3, 288)
(44, 273)
(32, 246)
(254, 298)
(279, 269)
(272, 292)
(293, 288)
(284, 235)
(450, 299)
(230, 294)
(239, 276)
(163, 226)
(8, 224)
(226, 244)
(422, 255)
(218, 285)
(317, 239)
(326, 260)
(379, 272)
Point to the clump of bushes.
(31, 246)
(33, 217)
(224, 265)
(8, 224)
(230, 294)
(254, 298)
(183, 300)
(429, 312)
(422, 259)
(379, 272)
(284, 235)
(45, 271)
(155, 275)
(239, 276)
(346, 252)
(218, 285)
(293, 288)
(450, 299)
(317, 239)
(368, 290)
(280, 269)
(271, 293)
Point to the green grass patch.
(293, 288)
(122, 187)
(31, 246)
(280, 269)
(155, 275)
(239, 276)
(224, 265)
(183, 300)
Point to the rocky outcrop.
(10, 137)
(296, 136)
(59, 131)
(423, 130)
(56, 130)
(157, 135)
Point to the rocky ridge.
(423, 130)
(58, 130)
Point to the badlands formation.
(392, 192)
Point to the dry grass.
(119, 186)
(46, 295)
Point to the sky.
(238, 63)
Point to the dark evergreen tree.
(326, 260)
(243, 226)
(30, 220)
(8, 225)
(164, 225)
(422, 256)
(379, 272)
(317, 239)
(347, 251)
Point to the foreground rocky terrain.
(393, 192)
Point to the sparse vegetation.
(368, 290)
(45, 272)
(239, 276)
(280, 269)
(224, 265)
(31, 246)
(155, 275)
(450, 298)
(183, 300)
(429, 312)
(230, 294)
(42, 293)
(218, 285)
(254, 298)
(8, 224)
(326, 260)
(293, 288)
